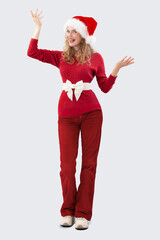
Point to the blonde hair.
(83, 54)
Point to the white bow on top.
(79, 87)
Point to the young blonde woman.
(78, 111)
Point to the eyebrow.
(72, 29)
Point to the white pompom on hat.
(84, 25)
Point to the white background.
(126, 201)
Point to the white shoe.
(81, 223)
(67, 221)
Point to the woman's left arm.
(121, 64)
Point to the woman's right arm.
(36, 32)
(44, 55)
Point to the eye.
(73, 30)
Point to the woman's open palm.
(36, 18)
(125, 62)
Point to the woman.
(78, 110)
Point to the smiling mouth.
(71, 40)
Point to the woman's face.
(73, 37)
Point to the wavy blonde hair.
(83, 54)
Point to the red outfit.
(85, 115)
(74, 73)
(79, 202)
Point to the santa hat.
(84, 25)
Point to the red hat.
(84, 25)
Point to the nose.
(70, 34)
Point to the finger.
(40, 12)
(36, 11)
(41, 17)
(128, 60)
(32, 13)
(124, 57)
(129, 63)
(131, 59)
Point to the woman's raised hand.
(125, 62)
(36, 18)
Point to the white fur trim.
(90, 39)
(77, 25)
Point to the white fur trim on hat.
(80, 27)
(90, 39)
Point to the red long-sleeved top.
(88, 100)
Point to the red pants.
(79, 202)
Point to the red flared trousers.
(79, 202)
